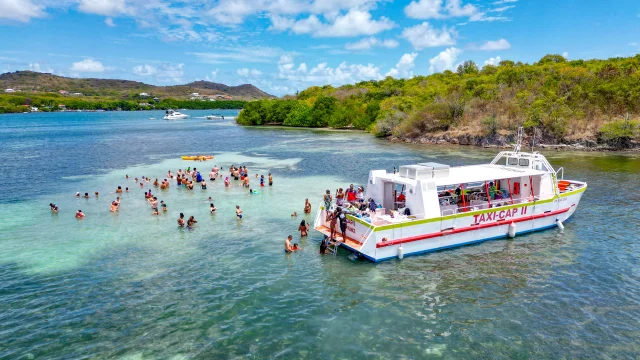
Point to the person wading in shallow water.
(181, 220)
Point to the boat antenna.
(519, 143)
(533, 140)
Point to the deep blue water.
(131, 285)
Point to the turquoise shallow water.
(133, 286)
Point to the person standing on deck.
(342, 218)
(327, 203)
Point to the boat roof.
(470, 174)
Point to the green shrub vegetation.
(563, 99)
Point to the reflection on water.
(134, 286)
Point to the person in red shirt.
(401, 197)
(351, 194)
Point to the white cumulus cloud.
(104, 7)
(88, 65)
(368, 43)
(109, 22)
(245, 72)
(565, 55)
(168, 72)
(493, 61)
(424, 35)
(324, 74)
(501, 44)
(438, 9)
(445, 60)
(353, 23)
(39, 68)
(20, 10)
(404, 67)
(145, 70)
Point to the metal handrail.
(560, 170)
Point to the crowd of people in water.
(347, 201)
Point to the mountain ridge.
(45, 82)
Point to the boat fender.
(400, 252)
(560, 225)
(512, 230)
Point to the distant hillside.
(41, 82)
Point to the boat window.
(524, 162)
(512, 161)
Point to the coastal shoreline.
(487, 142)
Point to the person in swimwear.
(181, 220)
(141, 185)
(77, 194)
(179, 180)
(327, 203)
(303, 228)
(114, 207)
(96, 193)
(261, 180)
(203, 185)
(212, 208)
(155, 183)
(226, 182)
(287, 244)
(163, 205)
(212, 175)
(126, 189)
(126, 176)
(118, 201)
(238, 212)
(136, 179)
(119, 190)
(307, 206)
(154, 206)
(295, 247)
(191, 222)
(80, 214)
(270, 179)
(245, 182)
(54, 207)
(86, 195)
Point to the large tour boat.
(429, 206)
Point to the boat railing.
(498, 203)
(317, 221)
(561, 172)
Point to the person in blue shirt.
(198, 177)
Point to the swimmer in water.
(77, 194)
(136, 179)
(238, 212)
(294, 214)
(287, 244)
(209, 199)
(114, 207)
(54, 208)
(296, 247)
(181, 220)
(118, 201)
(126, 189)
(86, 195)
(307, 206)
(203, 185)
(212, 208)
(226, 182)
(119, 190)
(141, 185)
(97, 194)
(126, 176)
(80, 214)
(154, 206)
(303, 228)
(191, 222)
(163, 206)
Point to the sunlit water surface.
(131, 285)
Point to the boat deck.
(352, 243)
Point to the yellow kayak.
(201, 158)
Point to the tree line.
(20, 102)
(564, 99)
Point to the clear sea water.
(134, 286)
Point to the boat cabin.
(433, 190)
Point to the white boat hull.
(379, 243)
(176, 117)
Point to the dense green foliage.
(565, 99)
(20, 102)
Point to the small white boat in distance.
(214, 117)
(429, 207)
(174, 115)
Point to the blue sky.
(286, 45)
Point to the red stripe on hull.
(468, 228)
